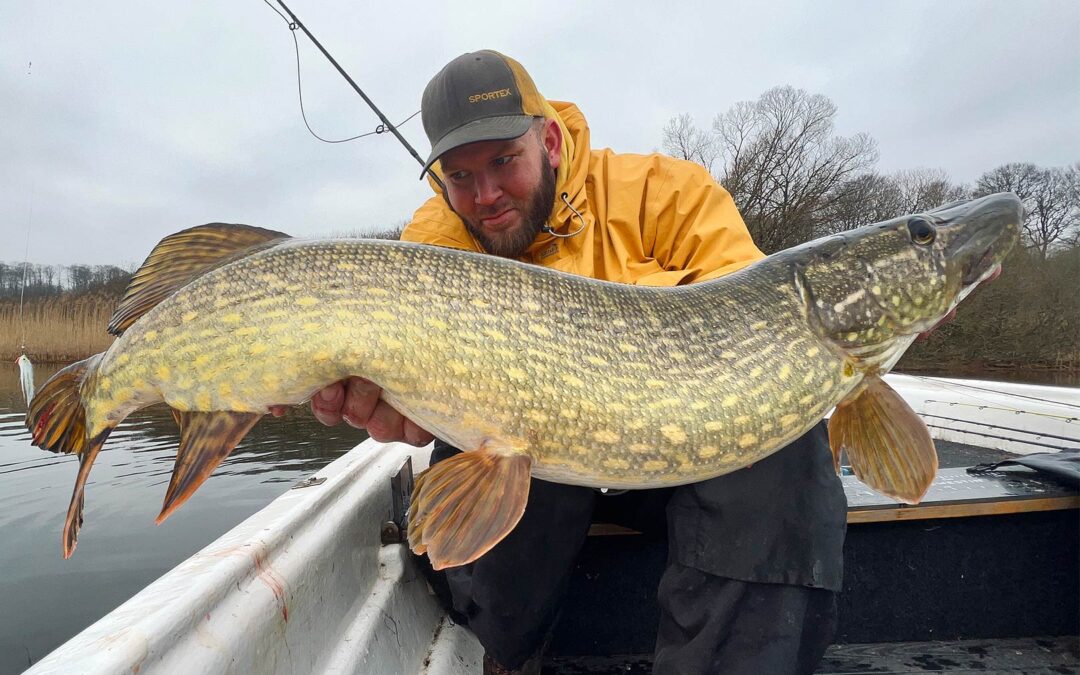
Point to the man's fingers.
(386, 424)
(326, 404)
(357, 402)
(361, 398)
(415, 435)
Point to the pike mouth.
(977, 269)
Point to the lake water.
(44, 599)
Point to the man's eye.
(503, 161)
(459, 176)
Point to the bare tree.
(1051, 199)
(783, 164)
(684, 140)
(924, 189)
(862, 200)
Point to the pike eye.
(921, 231)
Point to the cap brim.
(486, 129)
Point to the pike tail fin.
(57, 421)
(465, 505)
(56, 416)
(889, 446)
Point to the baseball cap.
(480, 96)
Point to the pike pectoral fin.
(206, 438)
(464, 505)
(889, 445)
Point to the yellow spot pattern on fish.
(605, 436)
(517, 374)
(572, 380)
(673, 433)
(746, 440)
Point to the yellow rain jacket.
(663, 221)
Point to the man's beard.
(513, 242)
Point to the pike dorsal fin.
(206, 438)
(181, 257)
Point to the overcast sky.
(124, 121)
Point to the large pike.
(534, 371)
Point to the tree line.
(31, 281)
(795, 179)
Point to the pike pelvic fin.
(889, 446)
(206, 438)
(179, 258)
(464, 505)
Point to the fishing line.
(294, 23)
(381, 129)
(26, 368)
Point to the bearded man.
(755, 556)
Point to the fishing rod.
(297, 23)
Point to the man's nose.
(487, 191)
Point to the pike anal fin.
(206, 439)
(465, 505)
(889, 446)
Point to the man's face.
(504, 191)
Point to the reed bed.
(58, 329)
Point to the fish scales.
(591, 370)
(534, 371)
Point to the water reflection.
(44, 599)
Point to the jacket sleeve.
(693, 224)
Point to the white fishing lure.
(26, 377)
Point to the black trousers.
(755, 560)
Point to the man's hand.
(952, 312)
(356, 402)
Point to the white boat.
(307, 585)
